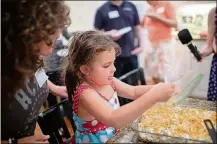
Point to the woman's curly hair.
(24, 24)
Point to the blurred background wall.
(83, 12)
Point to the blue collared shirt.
(110, 16)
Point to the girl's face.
(102, 69)
(44, 48)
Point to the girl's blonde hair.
(83, 48)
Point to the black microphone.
(186, 38)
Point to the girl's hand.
(163, 91)
(35, 139)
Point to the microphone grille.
(185, 36)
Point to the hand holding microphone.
(186, 38)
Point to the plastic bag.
(185, 87)
(185, 81)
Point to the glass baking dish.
(161, 138)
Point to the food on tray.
(177, 122)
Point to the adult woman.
(209, 48)
(29, 30)
(159, 21)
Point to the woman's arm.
(211, 28)
(128, 91)
(168, 21)
(210, 44)
(170, 18)
(57, 90)
(139, 35)
(31, 139)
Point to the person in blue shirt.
(113, 16)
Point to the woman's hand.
(206, 50)
(153, 15)
(57, 90)
(61, 91)
(34, 139)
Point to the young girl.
(93, 89)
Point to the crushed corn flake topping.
(177, 122)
